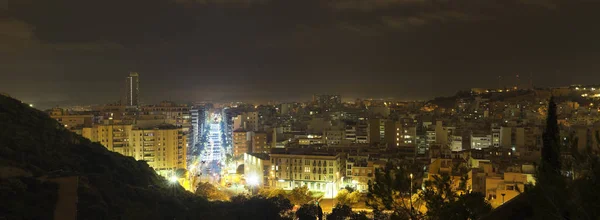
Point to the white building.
(456, 143)
(481, 141)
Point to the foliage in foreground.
(566, 177)
(27, 198)
(390, 193)
(345, 197)
(210, 192)
(343, 212)
(298, 196)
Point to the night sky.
(79, 51)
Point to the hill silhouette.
(34, 147)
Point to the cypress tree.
(550, 164)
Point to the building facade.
(321, 173)
(163, 148)
(132, 88)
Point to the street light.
(173, 179)
(252, 181)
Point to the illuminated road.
(207, 166)
(212, 154)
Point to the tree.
(390, 190)
(259, 207)
(343, 212)
(271, 192)
(300, 195)
(466, 206)
(308, 212)
(210, 192)
(443, 202)
(550, 192)
(362, 215)
(438, 191)
(340, 212)
(347, 198)
(550, 165)
(181, 173)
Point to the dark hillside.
(111, 186)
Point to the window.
(349, 167)
(307, 169)
(330, 170)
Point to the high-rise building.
(259, 142)
(240, 142)
(162, 147)
(132, 89)
(327, 102)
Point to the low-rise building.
(319, 172)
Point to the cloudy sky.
(80, 50)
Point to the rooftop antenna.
(499, 82)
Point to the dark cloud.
(276, 49)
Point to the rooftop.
(262, 156)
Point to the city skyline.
(255, 50)
(130, 96)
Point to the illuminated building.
(162, 147)
(247, 121)
(73, 122)
(327, 102)
(360, 172)
(479, 141)
(334, 137)
(392, 133)
(257, 167)
(319, 172)
(259, 142)
(240, 142)
(178, 115)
